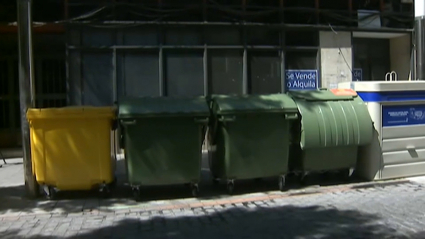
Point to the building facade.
(95, 52)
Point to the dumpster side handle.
(114, 125)
(201, 121)
(227, 119)
(291, 116)
(128, 122)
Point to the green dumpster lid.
(165, 106)
(324, 95)
(333, 123)
(253, 103)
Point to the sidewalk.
(389, 209)
(13, 203)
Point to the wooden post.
(26, 89)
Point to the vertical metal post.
(420, 47)
(413, 70)
(205, 56)
(420, 39)
(162, 90)
(282, 49)
(205, 66)
(282, 71)
(246, 85)
(161, 31)
(26, 88)
(282, 61)
(319, 68)
(114, 76)
(245, 72)
(114, 134)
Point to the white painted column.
(419, 8)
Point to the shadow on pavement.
(12, 199)
(262, 222)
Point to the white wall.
(336, 58)
(419, 8)
(400, 54)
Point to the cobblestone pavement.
(393, 209)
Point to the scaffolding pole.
(26, 89)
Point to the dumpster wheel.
(215, 181)
(50, 191)
(104, 191)
(346, 174)
(230, 186)
(282, 182)
(195, 189)
(137, 193)
(114, 182)
(304, 178)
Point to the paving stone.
(144, 218)
(210, 210)
(372, 212)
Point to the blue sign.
(357, 74)
(301, 79)
(403, 115)
(392, 96)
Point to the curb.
(296, 193)
(139, 209)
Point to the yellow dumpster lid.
(71, 112)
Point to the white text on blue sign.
(301, 79)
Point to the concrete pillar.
(26, 89)
(336, 58)
(401, 56)
(420, 39)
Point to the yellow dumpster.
(71, 148)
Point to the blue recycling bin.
(397, 109)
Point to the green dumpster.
(250, 137)
(332, 126)
(162, 138)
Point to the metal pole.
(420, 47)
(26, 89)
(420, 39)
